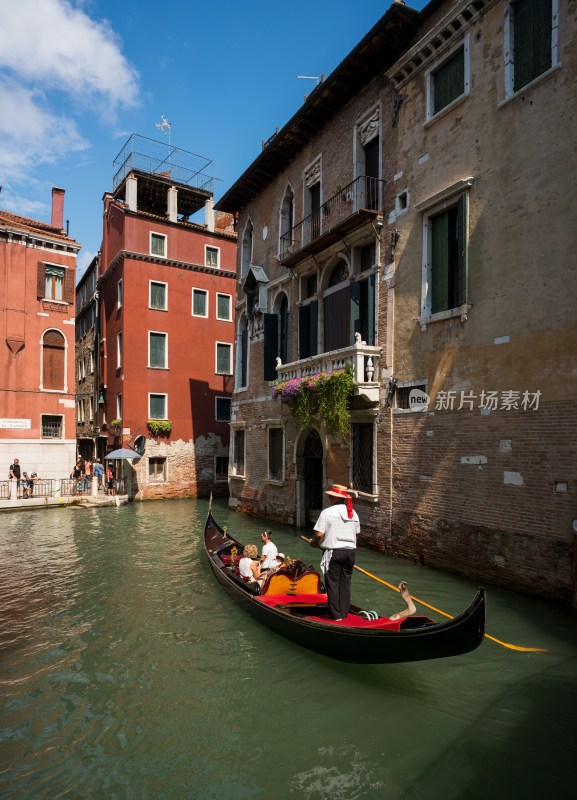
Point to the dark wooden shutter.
(313, 327)
(542, 24)
(53, 360)
(372, 172)
(270, 346)
(243, 356)
(522, 43)
(355, 310)
(440, 262)
(41, 280)
(369, 334)
(69, 286)
(304, 332)
(336, 314)
(449, 81)
(461, 267)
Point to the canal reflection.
(127, 673)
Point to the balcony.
(352, 206)
(363, 359)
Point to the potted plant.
(159, 427)
(116, 425)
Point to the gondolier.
(336, 533)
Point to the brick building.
(166, 288)
(37, 276)
(87, 382)
(410, 220)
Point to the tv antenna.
(164, 126)
(318, 78)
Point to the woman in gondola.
(249, 568)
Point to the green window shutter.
(449, 81)
(542, 24)
(223, 306)
(158, 350)
(370, 334)
(199, 304)
(314, 327)
(461, 266)
(243, 356)
(157, 406)
(522, 43)
(157, 295)
(355, 310)
(304, 332)
(223, 359)
(270, 346)
(440, 262)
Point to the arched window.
(53, 360)
(287, 220)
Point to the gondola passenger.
(249, 566)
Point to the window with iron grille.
(157, 469)
(275, 453)
(51, 427)
(362, 444)
(238, 452)
(402, 395)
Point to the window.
(212, 256)
(157, 350)
(403, 400)
(287, 221)
(275, 454)
(448, 258)
(119, 293)
(221, 468)
(157, 244)
(51, 426)
(312, 203)
(119, 406)
(53, 361)
(119, 350)
(156, 469)
(199, 303)
(242, 353)
(448, 81)
(222, 409)
(91, 362)
(238, 443)
(223, 358)
(158, 296)
(531, 42)
(224, 307)
(246, 249)
(157, 406)
(54, 282)
(91, 408)
(277, 329)
(362, 457)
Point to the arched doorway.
(313, 477)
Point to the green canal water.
(126, 672)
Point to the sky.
(78, 77)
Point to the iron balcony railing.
(159, 158)
(362, 358)
(53, 488)
(364, 193)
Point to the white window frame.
(430, 78)
(91, 362)
(160, 236)
(231, 460)
(231, 362)
(158, 283)
(205, 292)
(508, 44)
(229, 318)
(158, 394)
(208, 247)
(407, 385)
(216, 399)
(119, 350)
(64, 269)
(159, 333)
(119, 293)
(165, 470)
(431, 207)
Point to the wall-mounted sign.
(15, 423)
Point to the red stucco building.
(37, 277)
(166, 299)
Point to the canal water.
(126, 672)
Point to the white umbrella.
(118, 455)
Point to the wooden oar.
(443, 613)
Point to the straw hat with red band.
(337, 490)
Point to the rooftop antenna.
(164, 126)
(318, 78)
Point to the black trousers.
(338, 580)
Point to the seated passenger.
(269, 551)
(280, 562)
(249, 569)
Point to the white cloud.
(56, 45)
(83, 262)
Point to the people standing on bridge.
(336, 534)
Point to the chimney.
(209, 214)
(57, 208)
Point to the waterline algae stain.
(124, 675)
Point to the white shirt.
(244, 568)
(338, 529)
(270, 551)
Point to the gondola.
(293, 603)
